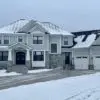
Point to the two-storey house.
(34, 44)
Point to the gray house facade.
(34, 44)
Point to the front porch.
(19, 55)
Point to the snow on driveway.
(4, 73)
(86, 87)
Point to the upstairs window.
(6, 40)
(53, 48)
(20, 39)
(0, 41)
(37, 39)
(3, 55)
(65, 41)
(38, 56)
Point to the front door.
(67, 58)
(20, 58)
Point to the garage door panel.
(81, 62)
(96, 61)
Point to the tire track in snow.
(84, 95)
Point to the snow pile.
(39, 70)
(53, 29)
(4, 73)
(85, 87)
(84, 44)
(14, 27)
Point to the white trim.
(39, 61)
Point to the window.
(38, 56)
(3, 55)
(78, 57)
(97, 56)
(66, 41)
(6, 40)
(37, 39)
(20, 39)
(53, 48)
(0, 41)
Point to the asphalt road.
(13, 81)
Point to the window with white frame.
(3, 55)
(38, 56)
(6, 40)
(20, 39)
(53, 48)
(65, 40)
(37, 39)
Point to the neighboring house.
(34, 44)
(86, 52)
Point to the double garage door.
(96, 62)
(81, 62)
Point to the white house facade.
(34, 44)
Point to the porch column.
(28, 63)
(10, 62)
(10, 55)
(27, 55)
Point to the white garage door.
(81, 62)
(96, 61)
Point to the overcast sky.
(72, 15)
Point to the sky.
(72, 15)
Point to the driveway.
(12, 81)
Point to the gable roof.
(25, 26)
(89, 39)
(53, 29)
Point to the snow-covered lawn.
(4, 73)
(85, 87)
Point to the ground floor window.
(38, 56)
(3, 55)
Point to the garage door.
(96, 61)
(81, 62)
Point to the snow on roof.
(14, 27)
(53, 29)
(84, 44)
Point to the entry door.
(67, 58)
(20, 58)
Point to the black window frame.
(38, 57)
(6, 41)
(37, 40)
(3, 57)
(20, 38)
(0, 41)
(65, 40)
(52, 48)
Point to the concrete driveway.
(12, 81)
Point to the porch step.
(20, 69)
